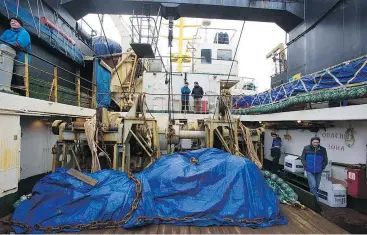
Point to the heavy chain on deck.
(94, 224)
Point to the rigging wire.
(235, 53)
(108, 47)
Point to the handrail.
(67, 93)
(44, 60)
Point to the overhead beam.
(287, 14)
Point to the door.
(9, 154)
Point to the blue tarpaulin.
(101, 46)
(103, 80)
(221, 189)
(348, 73)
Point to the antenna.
(205, 23)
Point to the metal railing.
(44, 80)
(182, 104)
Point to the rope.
(235, 53)
(7, 10)
(34, 21)
(39, 19)
(90, 131)
(250, 148)
(17, 8)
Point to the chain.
(256, 221)
(93, 225)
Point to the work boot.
(318, 208)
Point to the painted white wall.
(217, 66)
(332, 139)
(36, 146)
(154, 84)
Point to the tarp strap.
(270, 97)
(303, 84)
(335, 78)
(358, 71)
(317, 83)
(285, 92)
(276, 97)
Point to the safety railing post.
(55, 84)
(78, 85)
(26, 75)
(94, 91)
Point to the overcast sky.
(257, 40)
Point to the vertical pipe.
(180, 39)
(78, 85)
(55, 84)
(26, 75)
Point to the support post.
(180, 39)
(26, 75)
(55, 84)
(115, 157)
(94, 90)
(78, 85)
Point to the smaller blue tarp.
(349, 73)
(220, 189)
(103, 46)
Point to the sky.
(258, 39)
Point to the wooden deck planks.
(299, 221)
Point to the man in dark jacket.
(185, 95)
(314, 159)
(197, 93)
(275, 152)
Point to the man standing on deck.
(18, 37)
(275, 152)
(314, 159)
(185, 95)
(197, 93)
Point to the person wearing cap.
(197, 93)
(314, 159)
(275, 152)
(185, 95)
(19, 38)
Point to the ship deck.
(299, 222)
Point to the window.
(206, 56)
(224, 54)
(249, 86)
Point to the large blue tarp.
(103, 80)
(221, 189)
(348, 73)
